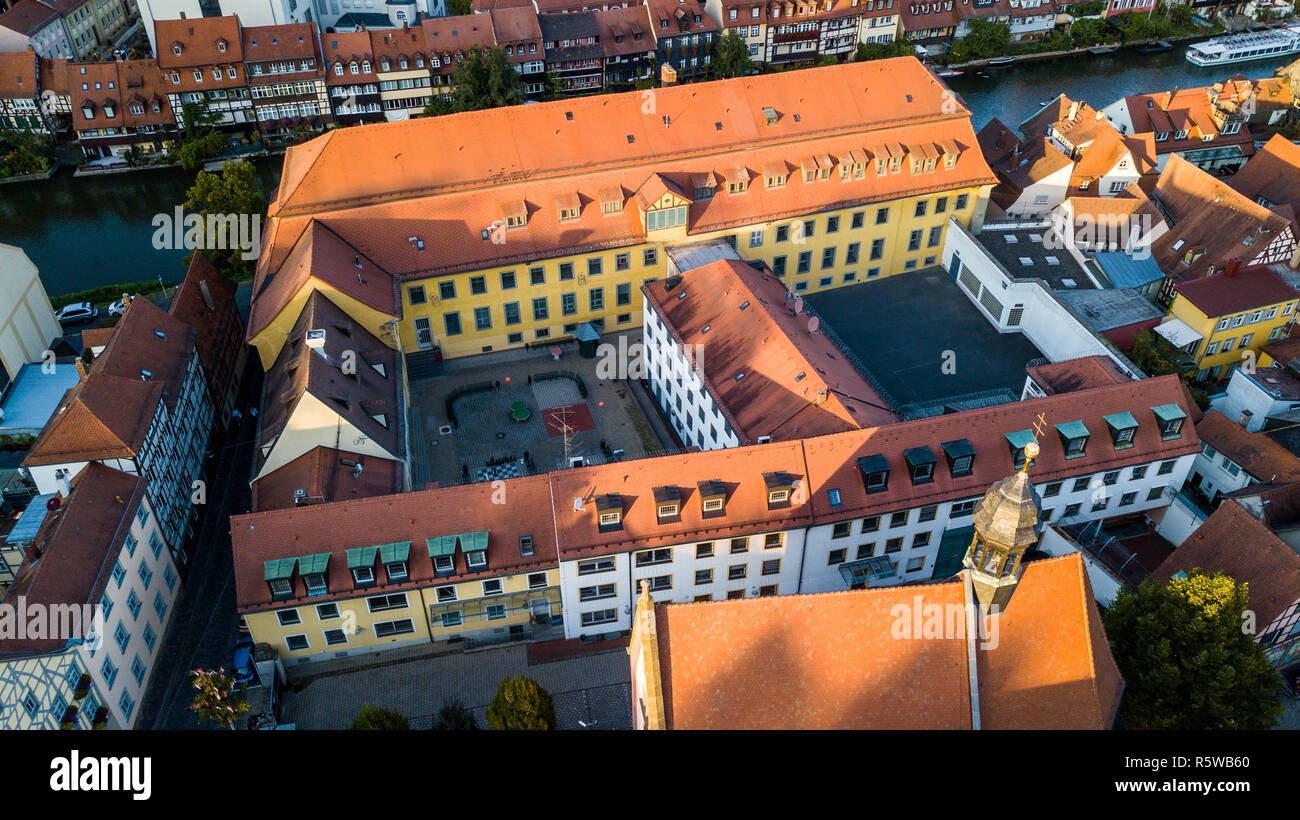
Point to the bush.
(372, 718)
(521, 703)
(455, 716)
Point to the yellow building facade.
(1235, 339)
(510, 306)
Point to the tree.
(485, 79)
(456, 8)
(234, 191)
(372, 718)
(731, 56)
(454, 716)
(521, 703)
(1089, 32)
(1187, 658)
(194, 152)
(553, 88)
(988, 39)
(898, 47)
(216, 699)
(22, 152)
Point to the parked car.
(77, 312)
(242, 663)
(118, 307)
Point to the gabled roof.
(198, 38)
(287, 41)
(771, 376)
(1264, 459)
(325, 478)
(204, 283)
(75, 546)
(442, 35)
(1272, 174)
(28, 17)
(18, 74)
(1234, 542)
(619, 28)
(1223, 295)
(834, 660)
(515, 25)
(356, 397)
(411, 517)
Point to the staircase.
(423, 365)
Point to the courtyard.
(525, 411)
(923, 340)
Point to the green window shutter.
(361, 557)
(279, 569)
(392, 553)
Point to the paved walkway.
(592, 688)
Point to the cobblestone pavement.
(592, 688)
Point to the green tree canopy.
(22, 152)
(731, 56)
(898, 47)
(456, 8)
(372, 718)
(216, 700)
(1090, 32)
(455, 716)
(988, 39)
(234, 191)
(485, 79)
(1186, 657)
(521, 703)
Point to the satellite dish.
(813, 324)
(54, 503)
(798, 305)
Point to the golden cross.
(1039, 425)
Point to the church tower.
(1006, 524)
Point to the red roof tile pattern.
(18, 75)
(325, 478)
(1077, 374)
(1272, 174)
(1267, 461)
(795, 383)
(415, 516)
(75, 546)
(204, 41)
(205, 301)
(1234, 542)
(1223, 295)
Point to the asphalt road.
(202, 632)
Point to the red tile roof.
(1234, 542)
(220, 328)
(795, 383)
(1267, 461)
(347, 47)
(322, 473)
(517, 25)
(76, 545)
(1077, 374)
(836, 661)
(201, 40)
(619, 27)
(1273, 174)
(1224, 295)
(28, 17)
(415, 516)
(18, 75)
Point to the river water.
(93, 231)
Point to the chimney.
(207, 295)
(1233, 265)
(1074, 111)
(65, 487)
(81, 369)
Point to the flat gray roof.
(1022, 253)
(904, 328)
(1109, 308)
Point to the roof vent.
(770, 115)
(740, 376)
(146, 375)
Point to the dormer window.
(474, 545)
(221, 46)
(920, 464)
(961, 457)
(363, 576)
(1123, 427)
(668, 504)
(177, 49)
(396, 571)
(312, 569)
(609, 512)
(515, 214)
(525, 546)
(713, 499)
(1074, 438)
(779, 487)
(279, 577)
(442, 550)
(1018, 441)
(1170, 419)
(875, 473)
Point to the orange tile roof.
(796, 384)
(1273, 174)
(74, 544)
(18, 74)
(1223, 295)
(1263, 458)
(835, 661)
(200, 39)
(372, 184)
(1239, 545)
(325, 478)
(414, 517)
(346, 47)
(288, 41)
(457, 34)
(1186, 109)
